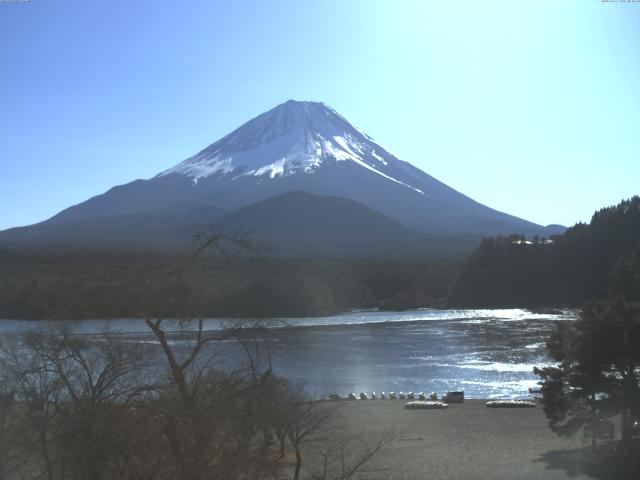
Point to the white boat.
(425, 405)
(511, 404)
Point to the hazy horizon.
(536, 117)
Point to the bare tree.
(209, 418)
(306, 419)
(74, 395)
(341, 456)
(314, 428)
(7, 413)
(38, 394)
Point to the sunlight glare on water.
(486, 353)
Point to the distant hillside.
(294, 223)
(576, 266)
(117, 233)
(300, 223)
(300, 213)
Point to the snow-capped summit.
(292, 138)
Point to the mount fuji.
(297, 174)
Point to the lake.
(486, 353)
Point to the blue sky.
(530, 107)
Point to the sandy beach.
(469, 441)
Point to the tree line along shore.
(505, 271)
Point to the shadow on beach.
(594, 463)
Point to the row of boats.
(450, 397)
(431, 401)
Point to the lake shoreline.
(536, 310)
(236, 317)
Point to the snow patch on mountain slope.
(347, 145)
(273, 169)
